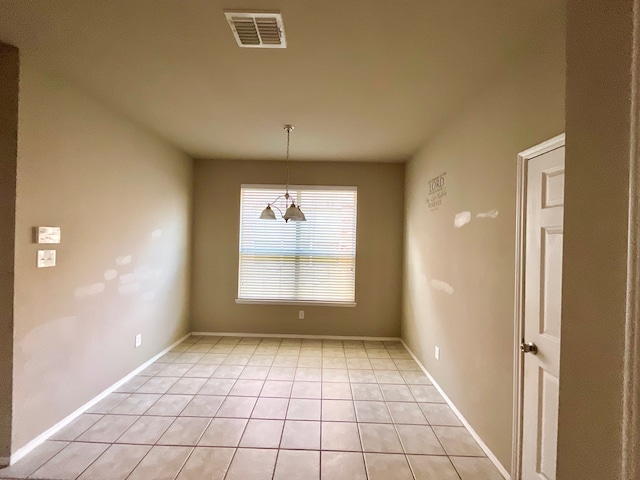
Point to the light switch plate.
(437, 353)
(46, 258)
(301, 314)
(46, 234)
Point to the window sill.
(287, 302)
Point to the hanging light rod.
(292, 212)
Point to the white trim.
(295, 335)
(310, 303)
(518, 365)
(21, 452)
(630, 468)
(476, 437)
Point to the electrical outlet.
(437, 353)
(138, 340)
(301, 314)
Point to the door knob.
(529, 347)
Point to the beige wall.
(122, 199)
(459, 282)
(9, 71)
(378, 258)
(598, 150)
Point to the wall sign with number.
(437, 191)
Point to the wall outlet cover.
(437, 353)
(46, 258)
(301, 314)
(138, 340)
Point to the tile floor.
(267, 409)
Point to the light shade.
(268, 214)
(294, 213)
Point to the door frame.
(518, 363)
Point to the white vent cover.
(257, 30)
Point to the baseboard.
(289, 335)
(21, 452)
(503, 471)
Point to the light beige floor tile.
(458, 441)
(378, 353)
(200, 348)
(306, 390)
(217, 386)
(161, 463)
(108, 403)
(303, 409)
(270, 408)
(415, 378)
(108, 428)
(169, 405)
(385, 466)
(471, 468)
(146, 430)
(440, 414)
(208, 339)
(228, 371)
(266, 350)
(243, 349)
(158, 385)
(330, 352)
(229, 341)
(362, 376)
(236, 407)
(310, 362)
(426, 393)
(261, 361)
(335, 375)
(70, 462)
(132, 385)
(366, 391)
(297, 465)
(285, 361)
(116, 463)
(383, 364)
(33, 461)
(174, 370)
(403, 412)
(262, 434)
(343, 466)
(189, 357)
(247, 388)
(153, 369)
(222, 348)
(419, 440)
(396, 393)
(338, 411)
(315, 352)
(223, 432)
(252, 463)
(234, 359)
(254, 373)
(336, 391)
(389, 376)
(201, 370)
(329, 362)
(212, 359)
(135, 404)
(276, 388)
(431, 467)
(340, 436)
(168, 357)
(358, 364)
(207, 463)
(187, 386)
(379, 438)
(281, 373)
(306, 374)
(184, 431)
(407, 365)
(373, 412)
(77, 427)
(355, 353)
(202, 406)
(301, 435)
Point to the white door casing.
(538, 310)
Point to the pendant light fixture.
(292, 212)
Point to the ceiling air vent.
(257, 30)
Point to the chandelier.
(291, 211)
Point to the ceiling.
(362, 80)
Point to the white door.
(543, 235)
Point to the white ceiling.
(360, 79)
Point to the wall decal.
(461, 219)
(489, 214)
(437, 191)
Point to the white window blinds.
(312, 261)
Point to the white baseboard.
(21, 452)
(503, 471)
(288, 335)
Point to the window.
(307, 262)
